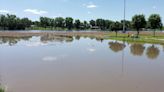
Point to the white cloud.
(4, 11)
(91, 49)
(54, 58)
(49, 58)
(35, 11)
(90, 5)
(36, 44)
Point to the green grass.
(143, 38)
(48, 28)
(2, 89)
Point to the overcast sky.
(81, 9)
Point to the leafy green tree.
(11, 22)
(155, 22)
(59, 22)
(86, 25)
(92, 23)
(3, 22)
(108, 24)
(69, 23)
(138, 22)
(45, 22)
(100, 23)
(20, 25)
(77, 24)
(26, 22)
(36, 23)
(127, 24)
(116, 26)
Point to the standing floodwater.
(79, 64)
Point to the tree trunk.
(138, 32)
(154, 33)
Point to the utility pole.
(124, 17)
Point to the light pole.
(124, 16)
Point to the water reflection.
(77, 37)
(62, 69)
(116, 46)
(137, 49)
(53, 38)
(12, 40)
(152, 52)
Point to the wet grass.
(2, 89)
(144, 37)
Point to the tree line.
(138, 22)
(12, 22)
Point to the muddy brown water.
(80, 64)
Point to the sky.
(81, 9)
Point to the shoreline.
(145, 36)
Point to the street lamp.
(124, 16)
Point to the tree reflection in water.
(55, 38)
(12, 40)
(116, 46)
(77, 37)
(152, 52)
(137, 49)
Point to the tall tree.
(100, 23)
(3, 22)
(59, 22)
(26, 22)
(11, 21)
(108, 24)
(116, 26)
(45, 21)
(69, 23)
(138, 22)
(155, 22)
(92, 23)
(86, 25)
(77, 24)
(127, 24)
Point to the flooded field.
(79, 64)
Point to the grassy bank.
(47, 28)
(144, 37)
(2, 89)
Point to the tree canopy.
(138, 22)
(155, 22)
